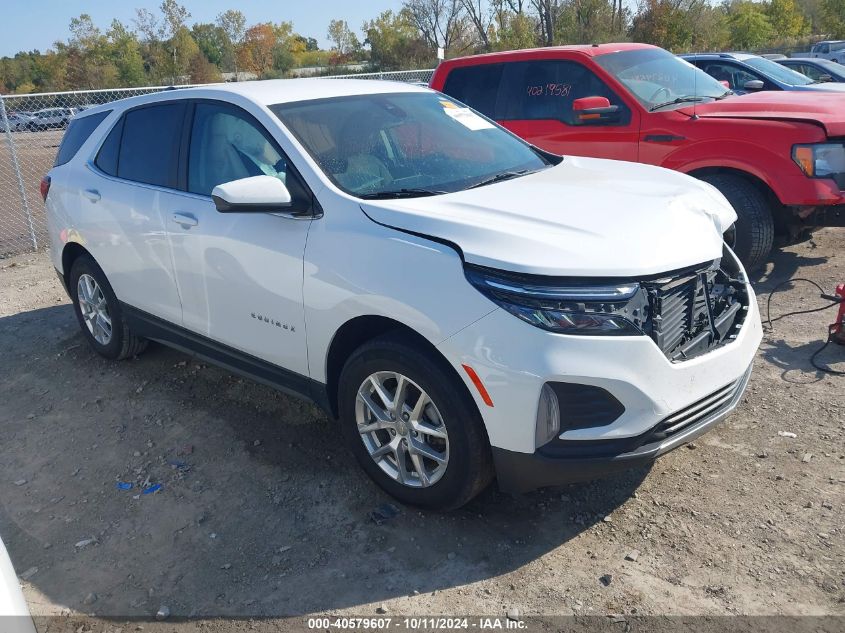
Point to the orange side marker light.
(478, 385)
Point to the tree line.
(163, 47)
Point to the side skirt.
(236, 361)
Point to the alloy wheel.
(94, 308)
(402, 429)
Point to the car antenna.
(694, 116)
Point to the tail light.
(45, 187)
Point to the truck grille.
(695, 312)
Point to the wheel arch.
(361, 329)
(70, 253)
(778, 210)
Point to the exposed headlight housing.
(822, 160)
(566, 306)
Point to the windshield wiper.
(505, 175)
(400, 193)
(688, 99)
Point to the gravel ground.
(262, 513)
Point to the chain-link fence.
(31, 128)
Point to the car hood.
(583, 217)
(825, 87)
(807, 106)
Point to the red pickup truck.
(778, 157)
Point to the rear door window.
(476, 86)
(546, 90)
(149, 147)
(77, 133)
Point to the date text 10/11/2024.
(416, 623)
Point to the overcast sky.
(27, 25)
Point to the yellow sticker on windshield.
(449, 104)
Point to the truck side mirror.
(591, 110)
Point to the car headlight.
(566, 306)
(822, 160)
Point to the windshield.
(417, 143)
(777, 72)
(657, 77)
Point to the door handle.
(186, 220)
(92, 194)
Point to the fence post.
(17, 167)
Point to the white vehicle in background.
(466, 304)
(14, 614)
(17, 121)
(50, 118)
(834, 50)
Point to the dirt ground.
(262, 513)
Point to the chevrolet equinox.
(467, 306)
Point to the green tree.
(680, 25)
(749, 25)
(233, 23)
(395, 42)
(514, 28)
(212, 40)
(587, 21)
(834, 17)
(786, 18)
(126, 55)
(174, 17)
(344, 41)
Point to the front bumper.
(514, 360)
(558, 464)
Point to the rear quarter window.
(149, 146)
(476, 86)
(77, 133)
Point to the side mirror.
(257, 194)
(726, 84)
(754, 84)
(594, 109)
(825, 78)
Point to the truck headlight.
(822, 160)
(565, 306)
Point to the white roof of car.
(272, 91)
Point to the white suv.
(465, 304)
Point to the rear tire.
(754, 231)
(450, 412)
(99, 313)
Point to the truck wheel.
(98, 312)
(414, 431)
(753, 234)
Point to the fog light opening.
(548, 417)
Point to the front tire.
(414, 431)
(753, 234)
(98, 312)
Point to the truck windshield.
(659, 79)
(406, 144)
(777, 72)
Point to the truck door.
(539, 101)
